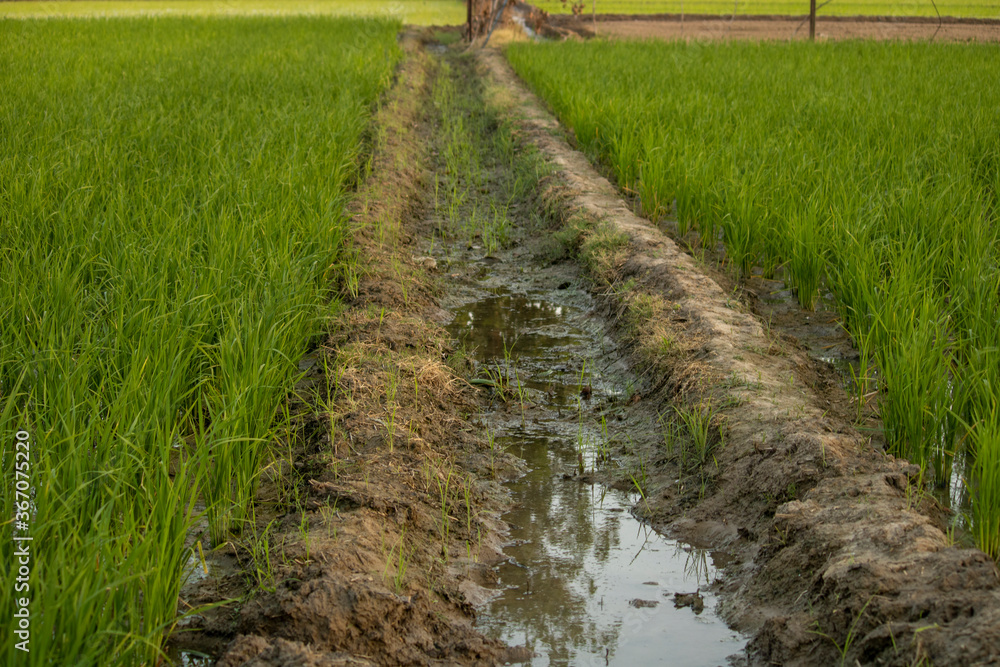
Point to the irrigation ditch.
(540, 429)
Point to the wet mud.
(584, 581)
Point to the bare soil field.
(702, 27)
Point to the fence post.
(812, 20)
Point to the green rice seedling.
(738, 236)
(492, 446)
(985, 484)
(397, 557)
(509, 379)
(976, 294)
(603, 445)
(260, 555)
(741, 228)
(805, 264)
(671, 435)
(916, 419)
(698, 421)
(496, 229)
(640, 476)
(181, 227)
(797, 154)
(627, 149)
(304, 535)
(485, 166)
(773, 246)
(402, 565)
(639, 484)
(444, 485)
(467, 494)
(851, 634)
(705, 211)
(392, 385)
(861, 379)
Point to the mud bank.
(837, 554)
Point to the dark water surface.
(585, 583)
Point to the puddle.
(847, 370)
(196, 570)
(585, 583)
(189, 659)
(205, 575)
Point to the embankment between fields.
(837, 556)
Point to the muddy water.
(585, 582)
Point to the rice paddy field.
(957, 8)
(866, 169)
(203, 203)
(173, 216)
(413, 12)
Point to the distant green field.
(799, 7)
(415, 12)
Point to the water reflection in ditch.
(585, 582)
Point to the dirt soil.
(838, 555)
(703, 27)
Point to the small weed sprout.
(444, 486)
(851, 636)
(698, 421)
(391, 406)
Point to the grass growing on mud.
(869, 168)
(172, 206)
(485, 175)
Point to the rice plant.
(866, 168)
(698, 420)
(410, 12)
(172, 204)
(805, 260)
(985, 485)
